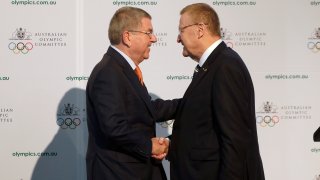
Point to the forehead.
(146, 23)
(184, 18)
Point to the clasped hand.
(160, 147)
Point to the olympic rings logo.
(314, 46)
(167, 124)
(68, 123)
(267, 120)
(20, 47)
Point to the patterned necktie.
(139, 74)
(196, 71)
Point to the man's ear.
(126, 39)
(200, 30)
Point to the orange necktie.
(139, 74)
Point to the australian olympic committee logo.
(70, 116)
(20, 41)
(226, 36)
(6, 115)
(243, 39)
(314, 40)
(161, 39)
(270, 114)
(267, 115)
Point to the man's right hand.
(160, 147)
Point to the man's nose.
(154, 38)
(179, 39)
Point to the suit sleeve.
(231, 103)
(110, 99)
(165, 109)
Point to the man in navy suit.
(214, 135)
(121, 115)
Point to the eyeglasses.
(149, 33)
(184, 27)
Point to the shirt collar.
(127, 58)
(208, 51)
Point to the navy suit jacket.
(214, 135)
(121, 123)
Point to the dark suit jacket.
(316, 135)
(214, 135)
(121, 123)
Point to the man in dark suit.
(214, 135)
(121, 115)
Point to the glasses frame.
(185, 27)
(148, 33)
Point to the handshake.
(160, 147)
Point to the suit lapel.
(208, 66)
(205, 68)
(127, 70)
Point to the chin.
(146, 57)
(185, 54)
